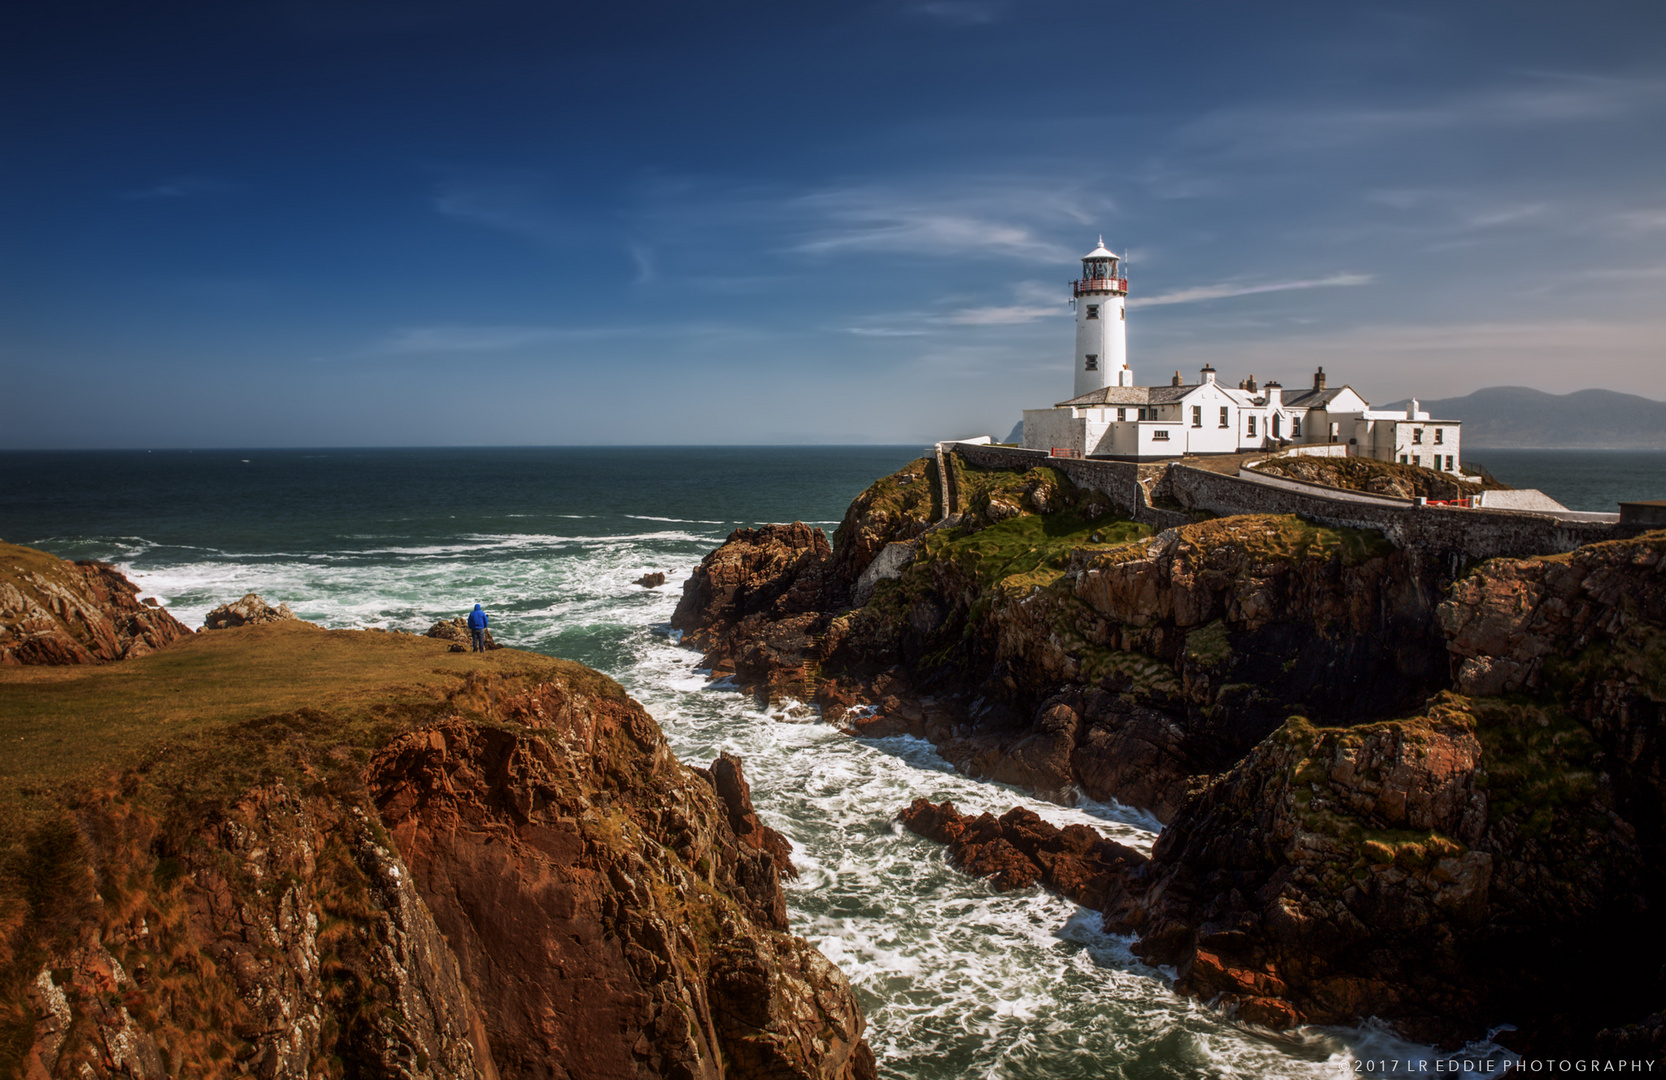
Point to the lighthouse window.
(1122, 312)
(1093, 362)
(1093, 311)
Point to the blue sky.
(414, 222)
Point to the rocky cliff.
(1478, 860)
(1038, 639)
(441, 866)
(1388, 792)
(53, 611)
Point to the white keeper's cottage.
(1109, 416)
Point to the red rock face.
(545, 894)
(756, 606)
(1019, 849)
(53, 611)
(616, 914)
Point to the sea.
(957, 980)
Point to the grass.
(228, 693)
(1029, 550)
(108, 770)
(1357, 473)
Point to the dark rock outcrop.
(1019, 849)
(652, 580)
(757, 605)
(53, 611)
(1347, 837)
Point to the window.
(1093, 311)
(1197, 415)
(1122, 312)
(1251, 427)
(1159, 436)
(1448, 462)
(1295, 427)
(1403, 460)
(1093, 362)
(1417, 436)
(1226, 416)
(1440, 434)
(1121, 415)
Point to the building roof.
(1314, 399)
(1112, 395)
(1100, 252)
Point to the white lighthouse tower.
(1101, 323)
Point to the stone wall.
(1474, 534)
(1463, 534)
(1126, 482)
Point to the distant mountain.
(1518, 417)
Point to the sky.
(425, 222)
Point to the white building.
(1111, 417)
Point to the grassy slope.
(202, 700)
(1357, 473)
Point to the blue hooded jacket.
(477, 619)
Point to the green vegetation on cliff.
(230, 698)
(1378, 477)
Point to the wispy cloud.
(1220, 292)
(943, 218)
(419, 340)
(963, 12)
(1035, 301)
(1650, 220)
(1442, 359)
(520, 206)
(1269, 129)
(179, 187)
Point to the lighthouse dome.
(1100, 252)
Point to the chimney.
(1177, 380)
(1208, 373)
(1319, 379)
(1249, 385)
(1411, 410)
(1275, 394)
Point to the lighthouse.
(1101, 322)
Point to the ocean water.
(1590, 480)
(956, 979)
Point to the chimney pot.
(1319, 378)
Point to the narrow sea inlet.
(957, 980)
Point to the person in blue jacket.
(477, 628)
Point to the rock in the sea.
(1019, 849)
(652, 580)
(757, 606)
(53, 611)
(456, 631)
(249, 611)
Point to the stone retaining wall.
(1474, 534)
(1461, 534)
